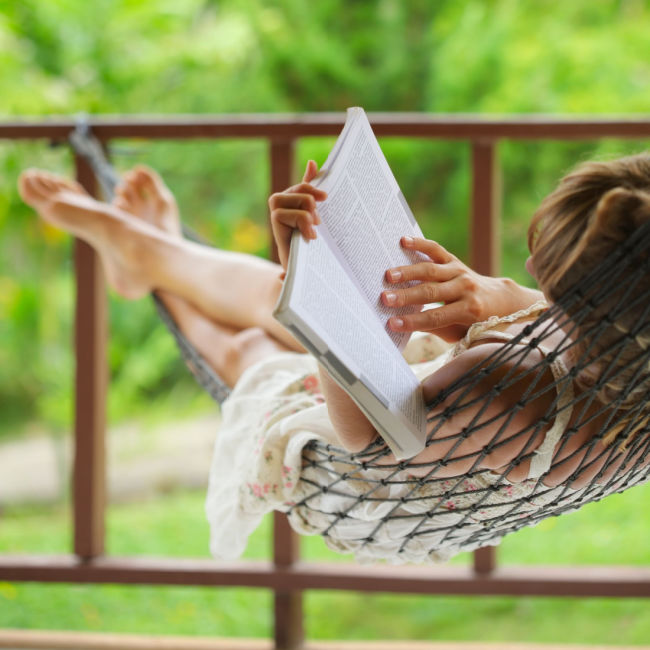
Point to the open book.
(331, 296)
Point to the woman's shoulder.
(472, 360)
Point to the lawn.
(611, 532)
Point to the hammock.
(415, 511)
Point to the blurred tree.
(199, 56)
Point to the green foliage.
(208, 56)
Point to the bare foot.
(119, 238)
(37, 186)
(144, 194)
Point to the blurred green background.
(204, 56)
(63, 57)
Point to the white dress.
(260, 464)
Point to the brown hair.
(594, 209)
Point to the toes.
(48, 183)
(145, 172)
(121, 203)
(130, 195)
(32, 189)
(24, 184)
(134, 185)
(36, 186)
(46, 186)
(119, 192)
(147, 183)
(72, 185)
(125, 194)
(153, 182)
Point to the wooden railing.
(286, 575)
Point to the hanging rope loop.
(88, 147)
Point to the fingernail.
(395, 276)
(312, 232)
(407, 241)
(396, 323)
(390, 297)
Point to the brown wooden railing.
(286, 575)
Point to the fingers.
(304, 188)
(422, 272)
(295, 200)
(425, 293)
(289, 218)
(310, 172)
(296, 208)
(433, 249)
(431, 319)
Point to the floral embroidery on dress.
(279, 410)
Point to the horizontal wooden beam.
(288, 126)
(55, 640)
(522, 580)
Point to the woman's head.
(582, 222)
(592, 211)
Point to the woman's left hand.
(467, 296)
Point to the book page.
(326, 297)
(365, 215)
(331, 295)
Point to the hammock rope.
(336, 484)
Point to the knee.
(240, 345)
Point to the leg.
(143, 194)
(228, 351)
(234, 289)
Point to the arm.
(296, 208)
(468, 297)
(352, 427)
(492, 419)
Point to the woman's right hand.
(295, 208)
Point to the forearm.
(352, 427)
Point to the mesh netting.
(419, 511)
(366, 503)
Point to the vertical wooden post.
(485, 560)
(90, 392)
(486, 206)
(288, 616)
(485, 254)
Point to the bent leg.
(230, 352)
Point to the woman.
(449, 498)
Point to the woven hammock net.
(412, 504)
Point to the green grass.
(611, 532)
